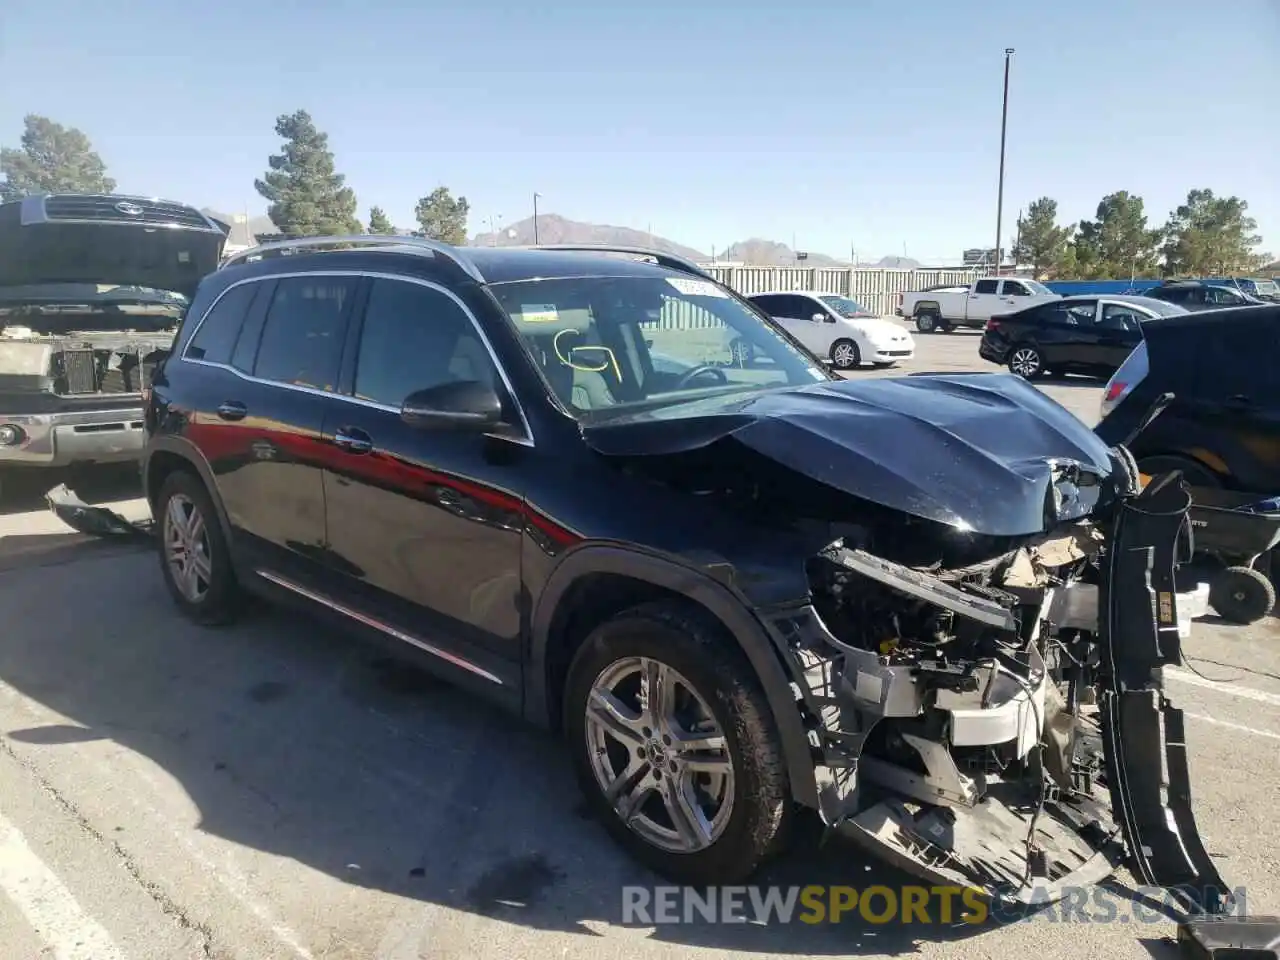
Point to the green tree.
(443, 217)
(1118, 243)
(1041, 242)
(1211, 235)
(52, 159)
(379, 222)
(1068, 266)
(307, 197)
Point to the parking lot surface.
(275, 790)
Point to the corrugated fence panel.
(875, 289)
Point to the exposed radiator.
(80, 371)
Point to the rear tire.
(1026, 361)
(1242, 595)
(194, 556)
(927, 321)
(740, 762)
(1195, 474)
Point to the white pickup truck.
(945, 307)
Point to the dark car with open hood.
(91, 291)
(934, 610)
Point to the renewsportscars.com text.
(879, 904)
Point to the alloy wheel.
(659, 756)
(186, 548)
(1025, 362)
(844, 355)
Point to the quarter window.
(216, 338)
(304, 330)
(413, 338)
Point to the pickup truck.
(943, 308)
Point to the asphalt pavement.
(276, 790)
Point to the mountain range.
(553, 228)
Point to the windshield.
(1163, 307)
(846, 307)
(612, 345)
(1266, 288)
(1037, 289)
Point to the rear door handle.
(352, 440)
(233, 410)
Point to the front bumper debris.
(94, 521)
(1097, 734)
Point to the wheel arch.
(165, 455)
(595, 582)
(920, 305)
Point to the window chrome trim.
(527, 440)
(389, 630)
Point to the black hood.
(988, 453)
(107, 239)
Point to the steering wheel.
(690, 375)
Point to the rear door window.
(303, 335)
(216, 337)
(986, 286)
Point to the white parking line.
(47, 904)
(1232, 726)
(1182, 675)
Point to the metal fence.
(877, 289)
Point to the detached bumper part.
(1144, 735)
(94, 521)
(1230, 938)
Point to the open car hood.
(988, 453)
(107, 239)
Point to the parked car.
(1090, 335)
(1259, 289)
(1222, 428)
(941, 309)
(837, 328)
(736, 591)
(91, 290)
(1198, 295)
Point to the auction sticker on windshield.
(696, 288)
(539, 313)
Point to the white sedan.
(838, 328)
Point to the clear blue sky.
(863, 123)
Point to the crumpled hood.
(988, 452)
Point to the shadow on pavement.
(297, 741)
(23, 489)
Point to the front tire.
(675, 748)
(845, 355)
(194, 557)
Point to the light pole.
(535, 218)
(1004, 122)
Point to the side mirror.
(818, 317)
(461, 405)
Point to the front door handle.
(233, 410)
(353, 440)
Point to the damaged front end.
(1003, 725)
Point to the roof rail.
(417, 244)
(670, 260)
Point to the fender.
(719, 600)
(188, 451)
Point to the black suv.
(1222, 428)
(737, 591)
